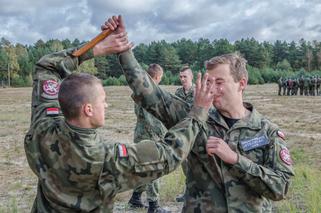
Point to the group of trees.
(280, 58)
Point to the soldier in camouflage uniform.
(186, 92)
(240, 162)
(148, 128)
(77, 170)
(280, 82)
(301, 85)
(318, 85)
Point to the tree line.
(267, 61)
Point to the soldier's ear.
(243, 84)
(88, 109)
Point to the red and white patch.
(52, 111)
(122, 151)
(285, 156)
(281, 134)
(50, 87)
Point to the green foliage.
(284, 65)
(267, 61)
(255, 76)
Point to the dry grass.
(299, 117)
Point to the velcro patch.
(122, 151)
(50, 89)
(52, 111)
(285, 156)
(281, 134)
(254, 143)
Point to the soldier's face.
(99, 106)
(229, 92)
(186, 79)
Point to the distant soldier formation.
(308, 86)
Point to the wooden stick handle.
(92, 43)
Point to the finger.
(110, 24)
(121, 21)
(204, 82)
(198, 83)
(114, 21)
(211, 86)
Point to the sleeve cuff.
(199, 113)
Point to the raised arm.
(166, 107)
(128, 166)
(53, 68)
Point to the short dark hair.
(235, 61)
(76, 90)
(154, 70)
(184, 68)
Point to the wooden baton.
(92, 43)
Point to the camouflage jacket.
(264, 166)
(77, 170)
(147, 126)
(186, 96)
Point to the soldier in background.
(284, 85)
(77, 170)
(289, 86)
(313, 85)
(301, 84)
(306, 86)
(186, 92)
(239, 163)
(280, 82)
(318, 85)
(295, 86)
(148, 128)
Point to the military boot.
(155, 208)
(136, 201)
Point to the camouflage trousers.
(152, 190)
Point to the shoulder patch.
(285, 156)
(52, 111)
(50, 89)
(122, 151)
(281, 134)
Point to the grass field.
(299, 117)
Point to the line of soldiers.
(308, 86)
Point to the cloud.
(27, 21)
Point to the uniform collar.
(80, 130)
(253, 121)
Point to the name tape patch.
(254, 143)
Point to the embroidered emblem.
(50, 89)
(285, 156)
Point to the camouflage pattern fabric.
(264, 166)
(77, 170)
(186, 96)
(189, 98)
(148, 128)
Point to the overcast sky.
(26, 21)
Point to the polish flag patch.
(281, 134)
(52, 111)
(122, 151)
(285, 156)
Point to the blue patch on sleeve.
(254, 143)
